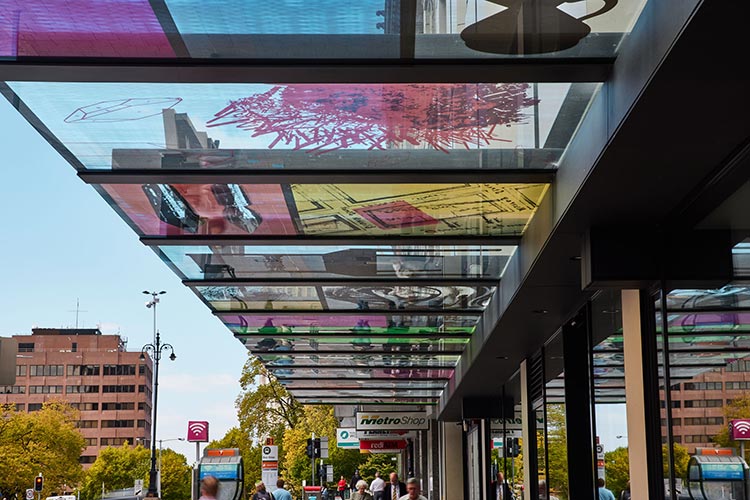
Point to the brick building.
(93, 372)
(698, 405)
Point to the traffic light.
(38, 483)
(516, 447)
(309, 451)
(512, 447)
(316, 447)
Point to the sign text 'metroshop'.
(391, 420)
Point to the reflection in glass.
(260, 297)
(362, 384)
(325, 344)
(397, 359)
(388, 262)
(408, 297)
(363, 373)
(359, 326)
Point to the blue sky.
(62, 242)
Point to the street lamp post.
(156, 349)
(160, 442)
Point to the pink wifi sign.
(197, 432)
(739, 429)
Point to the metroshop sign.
(391, 420)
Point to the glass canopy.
(297, 29)
(356, 261)
(126, 127)
(350, 235)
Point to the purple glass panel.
(81, 28)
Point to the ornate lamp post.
(155, 350)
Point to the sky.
(65, 244)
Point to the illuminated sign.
(220, 471)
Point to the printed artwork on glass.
(218, 209)
(323, 118)
(256, 297)
(416, 209)
(407, 297)
(362, 373)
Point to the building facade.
(110, 386)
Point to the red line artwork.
(326, 118)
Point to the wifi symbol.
(197, 431)
(743, 426)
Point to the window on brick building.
(25, 347)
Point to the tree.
(45, 441)
(681, 459)
(384, 463)
(557, 451)
(116, 468)
(297, 465)
(175, 476)
(738, 408)
(617, 469)
(264, 407)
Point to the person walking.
(377, 486)
(412, 490)
(261, 493)
(280, 493)
(501, 489)
(361, 493)
(395, 489)
(604, 493)
(625, 494)
(341, 487)
(355, 479)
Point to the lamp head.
(142, 357)
(162, 292)
(172, 357)
(146, 292)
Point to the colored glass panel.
(257, 297)
(367, 393)
(325, 344)
(396, 359)
(359, 326)
(407, 297)
(217, 126)
(530, 29)
(364, 401)
(327, 209)
(358, 261)
(362, 373)
(81, 28)
(362, 384)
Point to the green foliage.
(681, 459)
(378, 462)
(175, 476)
(45, 441)
(296, 465)
(116, 468)
(557, 451)
(264, 407)
(617, 470)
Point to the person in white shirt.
(377, 486)
(412, 490)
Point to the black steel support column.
(530, 448)
(579, 407)
(649, 352)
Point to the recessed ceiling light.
(540, 311)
